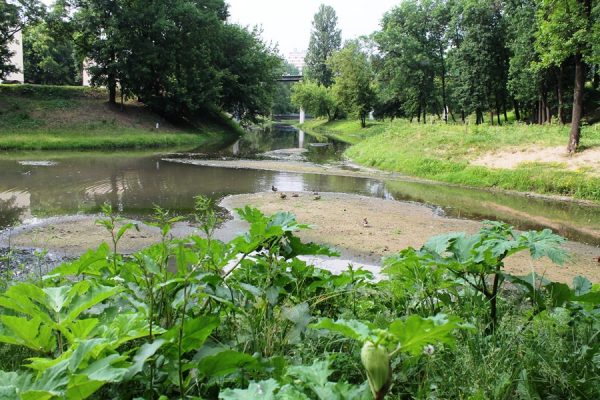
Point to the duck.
(295, 195)
(273, 188)
(365, 223)
(282, 196)
(317, 197)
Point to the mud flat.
(337, 220)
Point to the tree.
(99, 40)
(9, 19)
(250, 71)
(14, 16)
(412, 44)
(282, 101)
(315, 99)
(354, 81)
(49, 57)
(479, 59)
(566, 31)
(325, 39)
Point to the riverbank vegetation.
(198, 318)
(451, 153)
(35, 117)
(191, 65)
(492, 62)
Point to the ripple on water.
(38, 163)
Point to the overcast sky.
(288, 22)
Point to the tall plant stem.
(180, 344)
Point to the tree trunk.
(547, 114)
(462, 116)
(517, 111)
(445, 103)
(112, 91)
(492, 117)
(559, 95)
(498, 111)
(577, 105)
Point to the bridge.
(290, 78)
(294, 78)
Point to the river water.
(36, 185)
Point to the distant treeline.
(451, 59)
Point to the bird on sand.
(365, 223)
(282, 196)
(295, 195)
(317, 197)
(273, 188)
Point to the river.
(36, 185)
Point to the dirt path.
(338, 221)
(587, 161)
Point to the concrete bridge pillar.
(302, 116)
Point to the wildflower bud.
(428, 350)
(376, 361)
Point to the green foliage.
(315, 99)
(325, 40)
(354, 81)
(48, 51)
(180, 58)
(199, 318)
(412, 43)
(444, 153)
(9, 19)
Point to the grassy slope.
(36, 117)
(442, 152)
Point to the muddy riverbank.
(338, 220)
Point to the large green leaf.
(92, 263)
(264, 390)
(81, 387)
(195, 332)
(415, 332)
(315, 375)
(146, 351)
(226, 362)
(352, 329)
(12, 383)
(31, 333)
(300, 316)
(545, 244)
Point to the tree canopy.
(325, 39)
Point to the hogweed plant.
(196, 317)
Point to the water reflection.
(134, 185)
(50, 184)
(278, 137)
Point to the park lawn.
(35, 117)
(444, 153)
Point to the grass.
(34, 117)
(443, 153)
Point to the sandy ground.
(587, 160)
(342, 169)
(337, 219)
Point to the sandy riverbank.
(337, 219)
